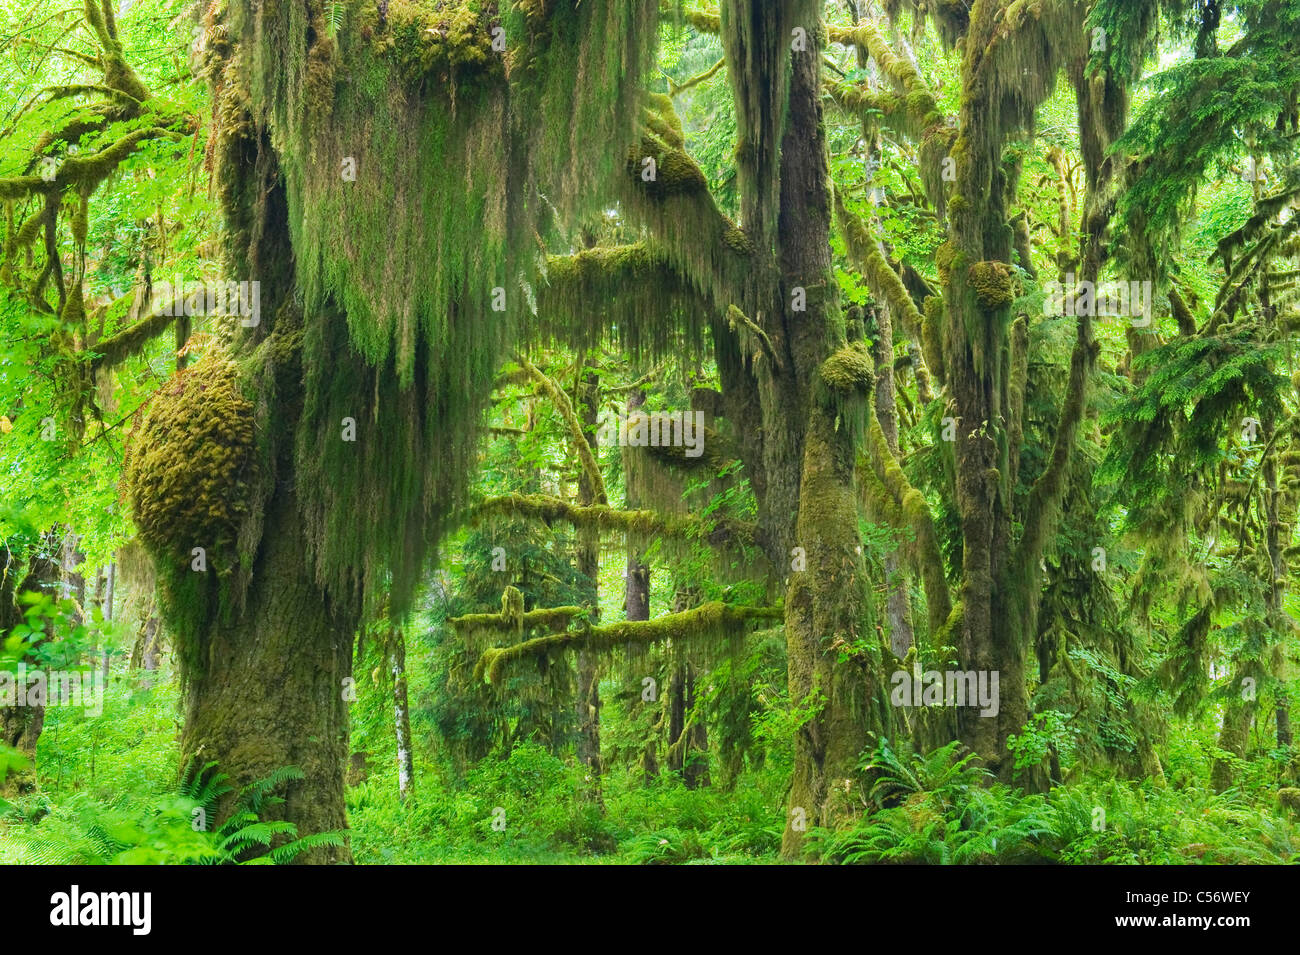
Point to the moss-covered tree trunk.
(21, 726)
(983, 351)
(588, 563)
(830, 646)
(269, 690)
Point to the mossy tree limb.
(917, 513)
(642, 523)
(714, 620)
(577, 434)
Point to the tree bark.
(270, 693)
(588, 563)
(636, 594)
(401, 716)
(21, 726)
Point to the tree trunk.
(898, 610)
(804, 468)
(270, 693)
(636, 594)
(689, 742)
(21, 726)
(401, 716)
(588, 563)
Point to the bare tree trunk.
(401, 716)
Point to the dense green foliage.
(484, 231)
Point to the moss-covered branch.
(712, 620)
(549, 618)
(920, 101)
(738, 321)
(619, 292)
(703, 19)
(917, 513)
(581, 446)
(911, 115)
(1182, 313)
(602, 517)
(697, 79)
(129, 341)
(1048, 492)
(667, 191)
(884, 282)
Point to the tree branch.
(917, 513)
(603, 517)
(581, 446)
(710, 620)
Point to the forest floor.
(109, 780)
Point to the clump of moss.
(423, 41)
(188, 471)
(849, 369)
(736, 240)
(994, 284)
(945, 257)
(675, 172)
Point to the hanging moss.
(411, 154)
(630, 295)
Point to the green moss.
(629, 294)
(80, 220)
(945, 257)
(932, 336)
(675, 171)
(736, 240)
(710, 621)
(405, 183)
(188, 469)
(74, 307)
(436, 41)
(849, 369)
(994, 284)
